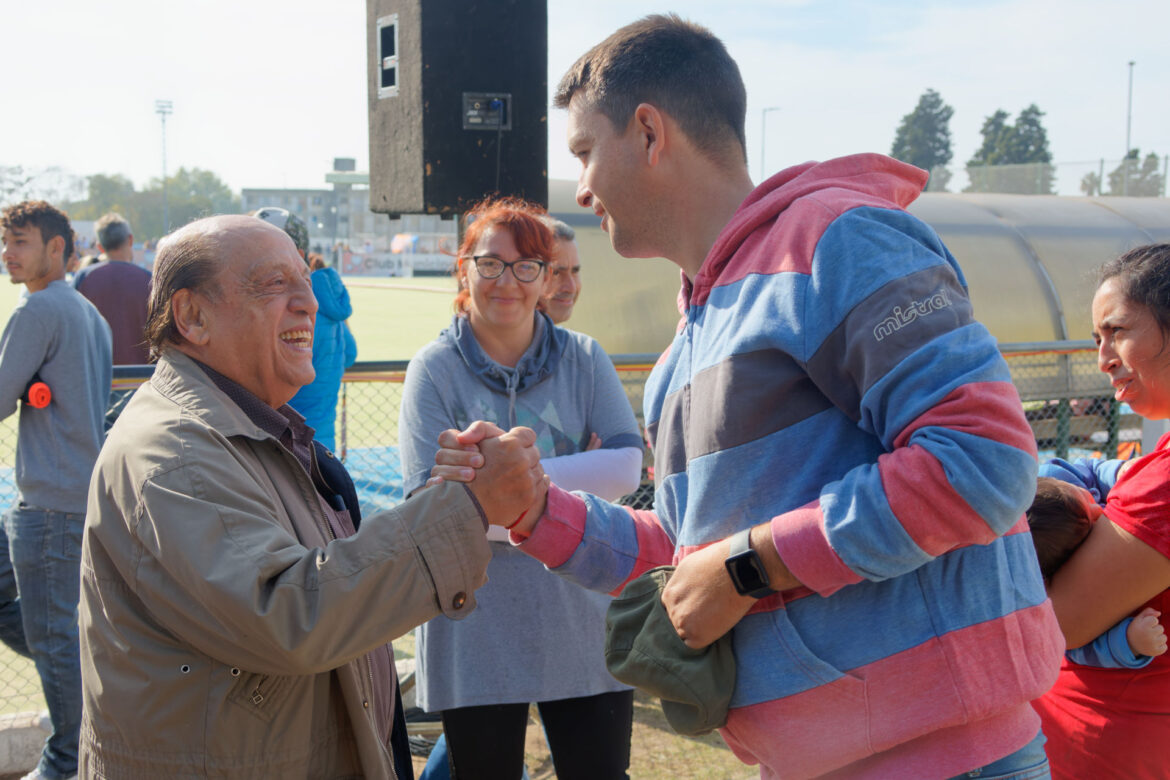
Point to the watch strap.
(742, 557)
(741, 542)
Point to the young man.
(57, 337)
(841, 460)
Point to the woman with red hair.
(534, 637)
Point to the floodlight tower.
(163, 108)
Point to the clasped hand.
(502, 469)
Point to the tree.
(1029, 142)
(190, 193)
(1091, 184)
(104, 194)
(924, 138)
(1145, 180)
(995, 132)
(18, 183)
(1013, 157)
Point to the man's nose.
(584, 196)
(304, 300)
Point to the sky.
(266, 94)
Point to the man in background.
(119, 289)
(564, 274)
(57, 337)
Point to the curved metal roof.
(1029, 261)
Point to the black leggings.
(589, 738)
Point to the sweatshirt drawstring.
(512, 380)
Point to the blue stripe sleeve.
(892, 336)
(1111, 650)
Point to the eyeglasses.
(525, 269)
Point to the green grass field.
(392, 318)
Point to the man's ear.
(650, 124)
(56, 247)
(191, 317)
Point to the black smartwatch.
(745, 567)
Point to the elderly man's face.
(260, 327)
(564, 282)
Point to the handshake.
(501, 469)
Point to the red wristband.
(516, 521)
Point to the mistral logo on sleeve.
(903, 316)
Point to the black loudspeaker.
(458, 94)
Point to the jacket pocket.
(792, 708)
(262, 695)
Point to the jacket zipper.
(369, 694)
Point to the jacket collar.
(180, 379)
(874, 177)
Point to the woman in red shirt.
(1115, 723)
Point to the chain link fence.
(1067, 401)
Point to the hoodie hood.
(836, 185)
(538, 361)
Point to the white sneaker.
(36, 775)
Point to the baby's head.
(1060, 517)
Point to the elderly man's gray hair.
(186, 260)
(112, 231)
(560, 230)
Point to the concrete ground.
(21, 736)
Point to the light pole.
(1128, 122)
(764, 137)
(163, 108)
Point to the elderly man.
(564, 274)
(235, 610)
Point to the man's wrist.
(779, 576)
(745, 567)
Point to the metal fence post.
(1113, 428)
(1063, 420)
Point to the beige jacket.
(223, 631)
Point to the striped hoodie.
(828, 376)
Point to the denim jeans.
(1028, 763)
(40, 583)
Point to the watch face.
(747, 572)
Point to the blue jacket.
(334, 350)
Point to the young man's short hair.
(112, 231)
(672, 64)
(42, 215)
